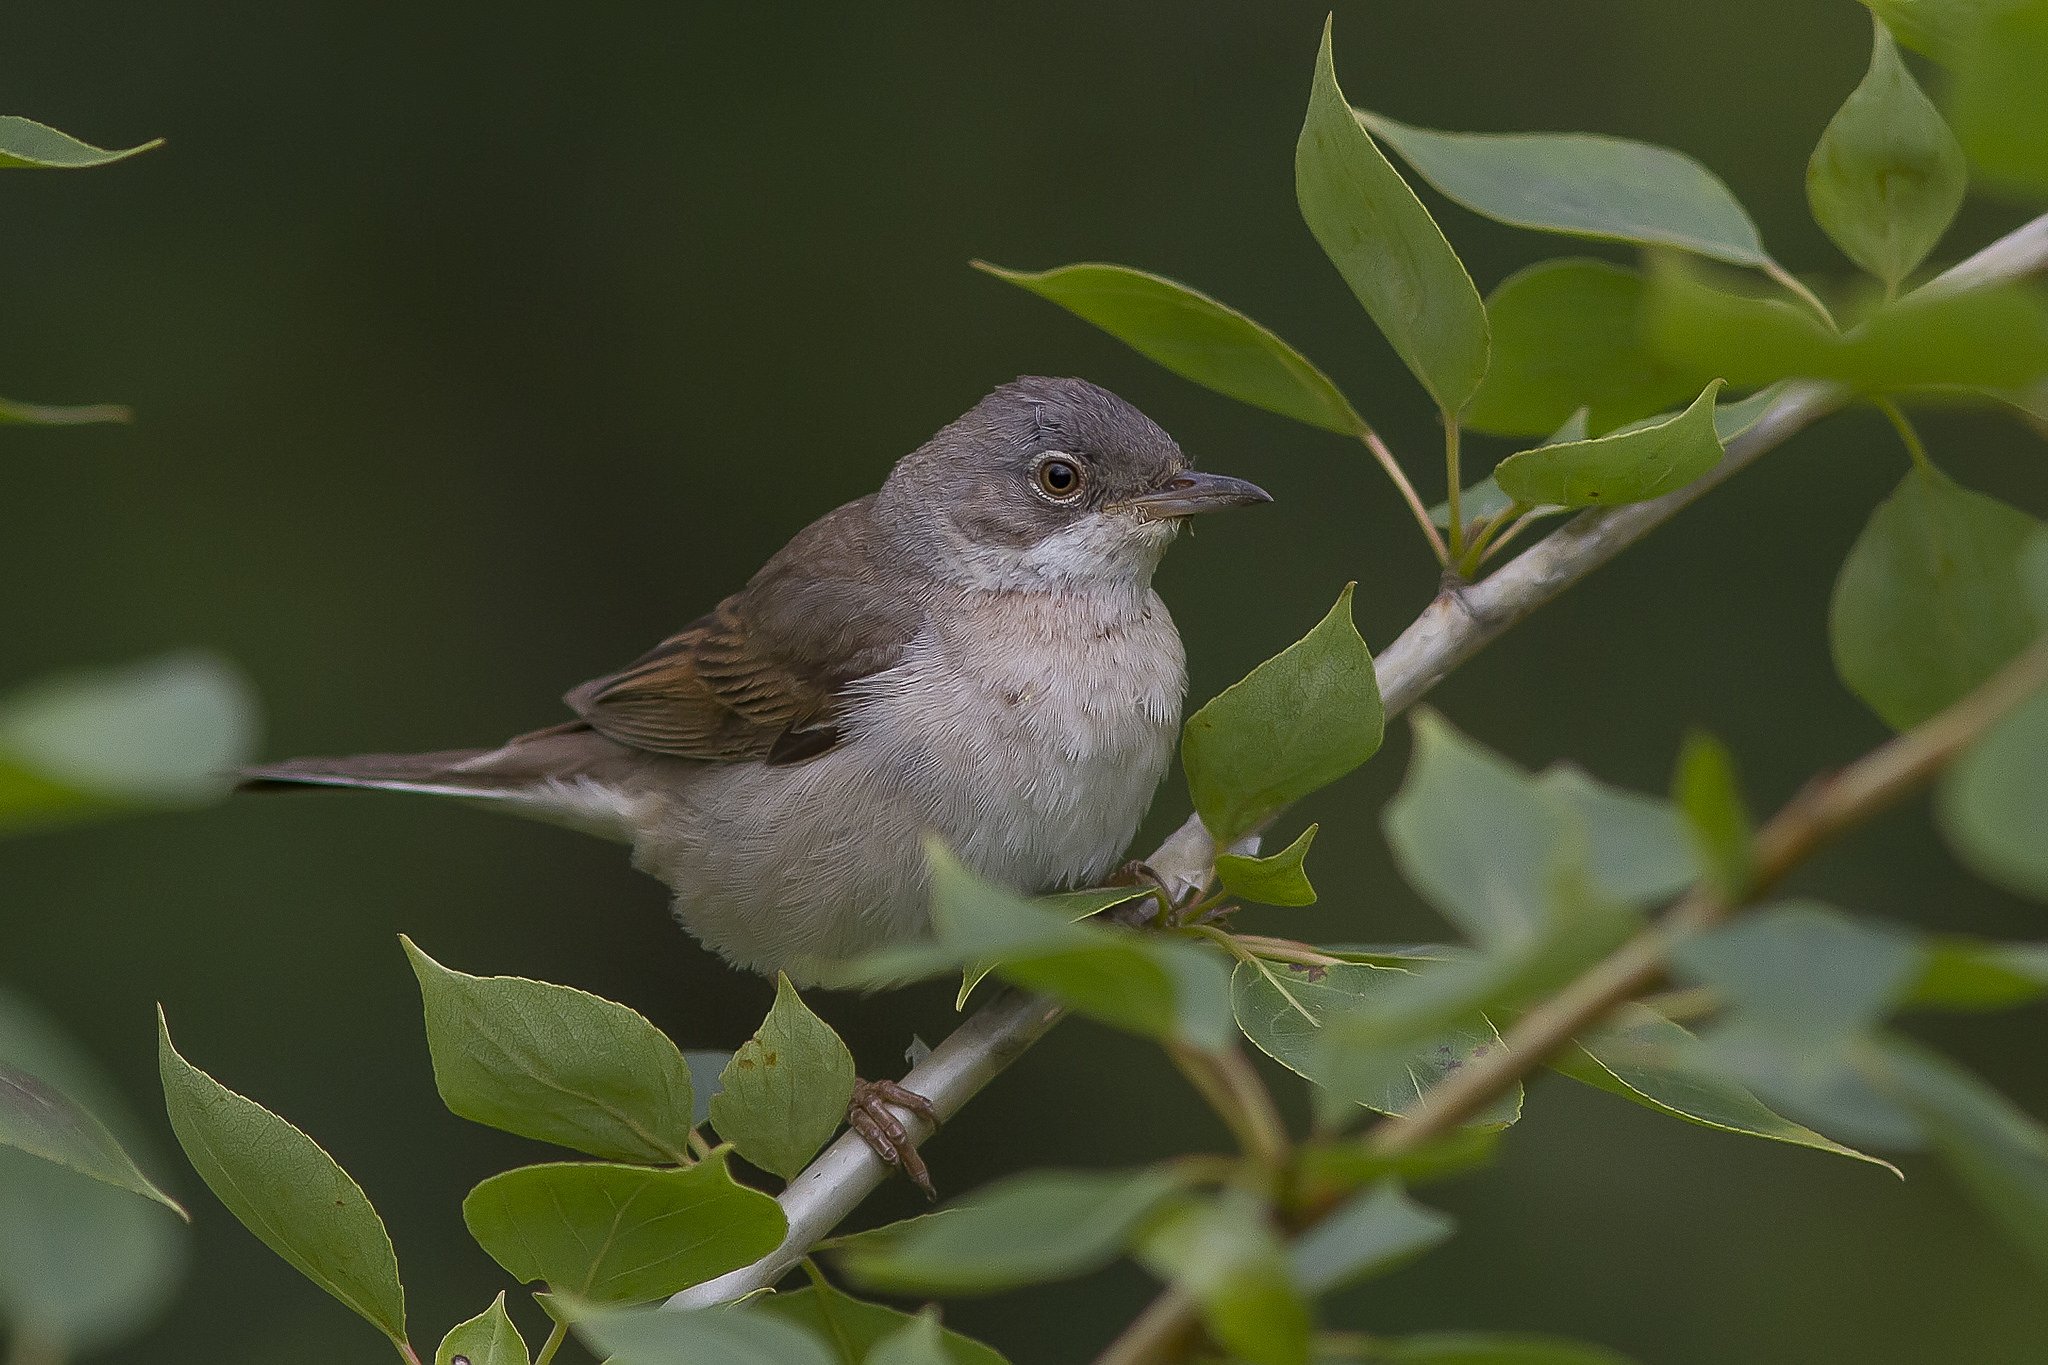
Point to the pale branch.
(1457, 624)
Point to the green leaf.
(1386, 246)
(1283, 1008)
(1807, 968)
(1993, 803)
(1296, 723)
(1567, 334)
(1628, 466)
(1370, 1233)
(1275, 880)
(621, 1234)
(1028, 1229)
(1931, 600)
(554, 1064)
(1888, 176)
(1716, 818)
(49, 415)
(712, 1336)
(1194, 336)
(786, 1090)
(1221, 1252)
(1968, 974)
(43, 1121)
(1071, 906)
(489, 1338)
(1329, 1170)
(917, 1342)
(1996, 99)
(164, 733)
(852, 1326)
(26, 144)
(285, 1189)
(1645, 1058)
(1485, 1348)
(1940, 29)
(1582, 185)
(83, 1264)
(1639, 854)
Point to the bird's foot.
(1143, 910)
(869, 1114)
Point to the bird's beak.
(1195, 491)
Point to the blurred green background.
(476, 347)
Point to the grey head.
(1050, 483)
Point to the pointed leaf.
(1275, 880)
(54, 415)
(1386, 246)
(1296, 723)
(285, 1189)
(621, 1234)
(1628, 466)
(1073, 906)
(852, 1326)
(26, 144)
(1888, 176)
(785, 1092)
(1718, 822)
(707, 1336)
(1994, 800)
(1194, 336)
(1638, 849)
(1996, 100)
(43, 1121)
(1221, 1252)
(1372, 1232)
(489, 1338)
(555, 1064)
(1940, 29)
(1805, 967)
(917, 1342)
(1969, 974)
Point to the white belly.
(1034, 760)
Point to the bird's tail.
(435, 774)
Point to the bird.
(973, 653)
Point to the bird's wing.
(761, 677)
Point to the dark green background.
(475, 347)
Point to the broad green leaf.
(164, 733)
(1221, 1251)
(712, 1336)
(285, 1189)
(852, 1326)
(1274, 880)
(1072, 906)
(1645, 1058)
(1639, 854)
(489, 1338)
(1968, 974)
(1931, 600)
(43, 1121)
(26, 144)
(1028, 1229)
(917, 1342)
(83, 1264)
(1888, 176)
(1716, 819)
(1993, 802)
(1296, 723)
(555, 1064)
(1567, 334)
(1940, 29)
(1998, 1154)
(1482, 1348)
(786, 1089)
(621, 1234)
(60, 415)
(1283, 1008)
(1582, 185)
(1386, 246)
(1996, 98)
(1373, 1231)
(1806, 968)
(1194, 336)
(1627, 466)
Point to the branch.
(1455, 626)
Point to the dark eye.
(1059, 478)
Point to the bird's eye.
(1059, 478)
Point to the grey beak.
(1195, 491)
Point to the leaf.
(1194, 336)
(1370, 1233)
(1967, 974)
(555, 1064)
(1220, 1251)
(489, 1338)
(1716, 819)
(40, 1119)
(163, 733)
(1649, 1060)
(1628, 466)
(1582, 185)
(1805, 967)
(712, 1336)
(26, 144)
(1296, 723)
(1888, 176)
(1489, 1348)
(1567, 334)
(1027, 1229)
(1386, 246)
(1993, 802)
(1071, 906)
(1939, 28)
(1275, 880)
(1283, 1008)
(852, 1326)
(285, 1189)
(1329, 1171)
(621, 1234)
(1996, 98)
(1638, 850)
(916, 1342)
(51, 415)
(1931, 600)
(786, 1089)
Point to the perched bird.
(974, 652)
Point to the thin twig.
(1408, 494)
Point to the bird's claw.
(869, 1114)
